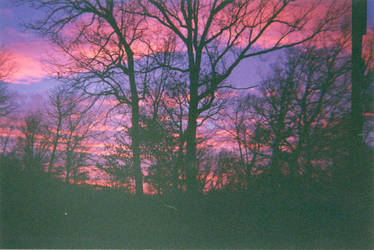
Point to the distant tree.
(79, 131)
(4, 140)
(7, 68)
(159, 146)
(304, 102)
(71, 118)
(164, 124)
(230, 172)
(60, 107)
(118, 163)
(7, 102)
(245, 128)
(33, 143)
(7, 97)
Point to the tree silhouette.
(61, 106)
(34, 143)
(303, 105)
(359, 26)
(7, 68)
(218, 35)
(99, 41)
(111, 47)
(69, 123)
(245, 128)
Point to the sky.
(31, 80)
(30, 50)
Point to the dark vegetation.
(39, 212)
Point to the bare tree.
(61, 106)
(7, 98)
(78, 131)
(33, 142)
(159, 128)
(100, 41)
(244, 127)
(218, 35)
(71, 119)
(118, 162)
(303, 105)
(6, 139)
(7, 68)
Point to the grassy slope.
(33, 211)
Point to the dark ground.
(33, 209)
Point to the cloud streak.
(27, 60)
(29, 51)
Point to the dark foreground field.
(37, 212)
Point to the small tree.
(61, 106)
(33, 143)
(245, 128)
(7, 67)
(71, 118)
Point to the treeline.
(158, 75)
(292, 131)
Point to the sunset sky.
(29, 50)
(245, 120)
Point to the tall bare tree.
(218, 35)
(104, 39)
(100, 41)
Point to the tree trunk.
(135, 140)
(249, 167)
(178, 164)
(191, 161)
(358, 30)
(55, 142)
(238, 140)
(67, 167)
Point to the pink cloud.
(27, 57)
(29, 51)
